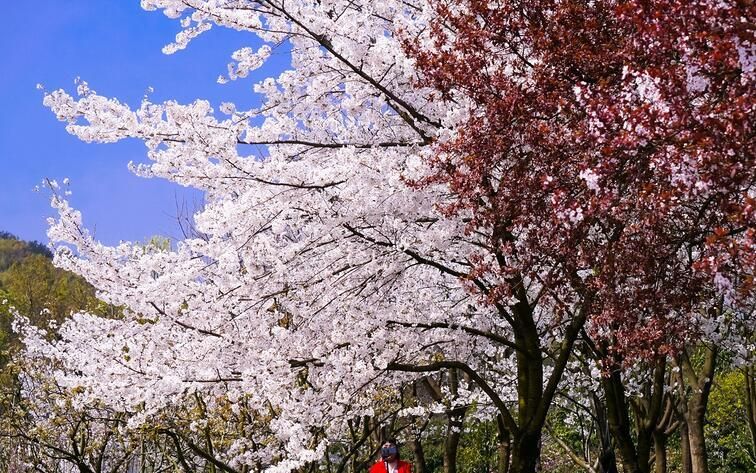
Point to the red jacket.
(381, 467)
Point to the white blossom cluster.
(315, 257)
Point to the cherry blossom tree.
(310, 259)
(460, 187)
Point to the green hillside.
(13, 250)
(32, 286)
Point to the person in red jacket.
(390, 462)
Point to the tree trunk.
(685, 460)
(695, 413)
(699, 462)
(750, 401)
(607, 461)
(636, 451)
(607, 458)
(525, 446)
(453, 426)
(503, 449)
(660, 452)
(526, 450)
(419, 454)
(453, 434)
(619, 421)
(644, 451)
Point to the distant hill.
(30, 284)
(13, 250)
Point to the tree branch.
(392, 97)
(498, 402)
(185, 325)
(473, 331)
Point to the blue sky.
(115, 46)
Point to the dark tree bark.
(607, 457)
(451, 443)
(419, 454)
(750, 401)
(503, 449)
(660, 452)
(686, 465)
(618, 416)
(526, 451)
(455, 419)
(635, 451)
(694, 407)
(665, 427)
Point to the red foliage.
(609, 152)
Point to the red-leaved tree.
(609, 157)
